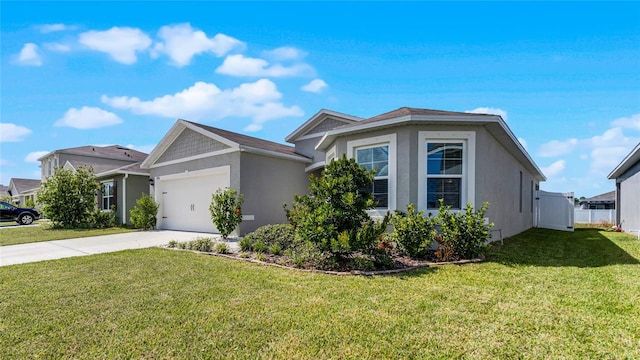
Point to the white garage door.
(184, 199)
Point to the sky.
(565, 76)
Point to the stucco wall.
(629, 198)
(231, 159)
(136, 186)
(267, 183)
(307, 148)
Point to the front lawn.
(44, 232)
(543, 295)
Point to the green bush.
(226, 210)
(304, 254)
(413, 232)
(280, 234)
(172, 244)
(246, 244)
(102, 219)
(259, 246)
(143, 215)
(464, 232)
(221, 248)
(201, 244)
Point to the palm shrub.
(465, 232)
(226, 210)
(144, 214)
(68, 197)
(413, 232)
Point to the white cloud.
(143, 148)
(48, 28)
(88, 118)
(489, 110)
(33, 157)
(57, 47)
(13, 133)
(523, 142)
(554, 169)
(605, 159)
(239, 65)
(557, 148)
(121, 43)
(258, 101)
(315, 86)
(632, 122)
(181, 43)
(4, 162)
(29, 55)
(285, 53)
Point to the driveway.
(58, 249)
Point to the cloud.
(181, 43)
(554, 169)
(632, 122)
(57, 47)
(315, 86)
(4, 162)
(88, 118)
(258, 101)
(605, 159)
(239, 65)
(49, 28)
(523, 142)
(285, 53)
(143, 148)
(33, 157)
(489, 110)
(121, 43)
(557, 148)
(13, 133)
(29, 55)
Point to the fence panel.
(586, 216)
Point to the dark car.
(23, 216)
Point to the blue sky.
(565, 76)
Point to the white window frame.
(389, 140)
(102, 197)
(468, 186)
(331, 155)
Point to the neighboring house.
(22, 190)
(419, 156)
(627, 176)
(4, 191)
(117, 169)
(606, 201)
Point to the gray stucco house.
(117, 169)
(419, 156)
(22, 190)
(627, 176)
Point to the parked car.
(23, 216)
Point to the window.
(377, 158)
(107, 192)
(446, 168)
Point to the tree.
(226, 210)
(68, 197)
(144, 214)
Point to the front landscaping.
(45, 232)
(543, 295)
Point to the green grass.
(543, 295)
(44, 232)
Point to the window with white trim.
(376, 158)
(107, 195)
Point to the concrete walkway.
(58, 249)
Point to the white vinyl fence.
(586, 216)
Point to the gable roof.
(602, 198)
(494, 124)
(101, 170)
(317, 119)
(116, 152)
(626, 163)
(22, 185)
(233, 140)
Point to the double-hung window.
(107, 194)
(376, 158)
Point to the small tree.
(226, 210)
(144, 214)
(68, 197)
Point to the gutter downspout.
(124, 199)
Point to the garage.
(184, 199)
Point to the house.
(4, 191)
(117, 169)
(627, 176)
(606, 201)
(419, 155)
(22, 190)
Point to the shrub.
(143, 215)
(275, 249)
(172, 244)
(201, 244)
(261, 257)
(465, 232)
(221, 248)
(304, 254)
(226, 210)
(413, 232)
(361, 263)
(246, 244)
(102, 219)
(280, 234)
(29, 203)
(259, 246)
(69, 197)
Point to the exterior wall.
(135, 187)
(267, 183)
(307, 148)
(628, 186)
(232, 159)
(190, 143)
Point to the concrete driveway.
(58, 249)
